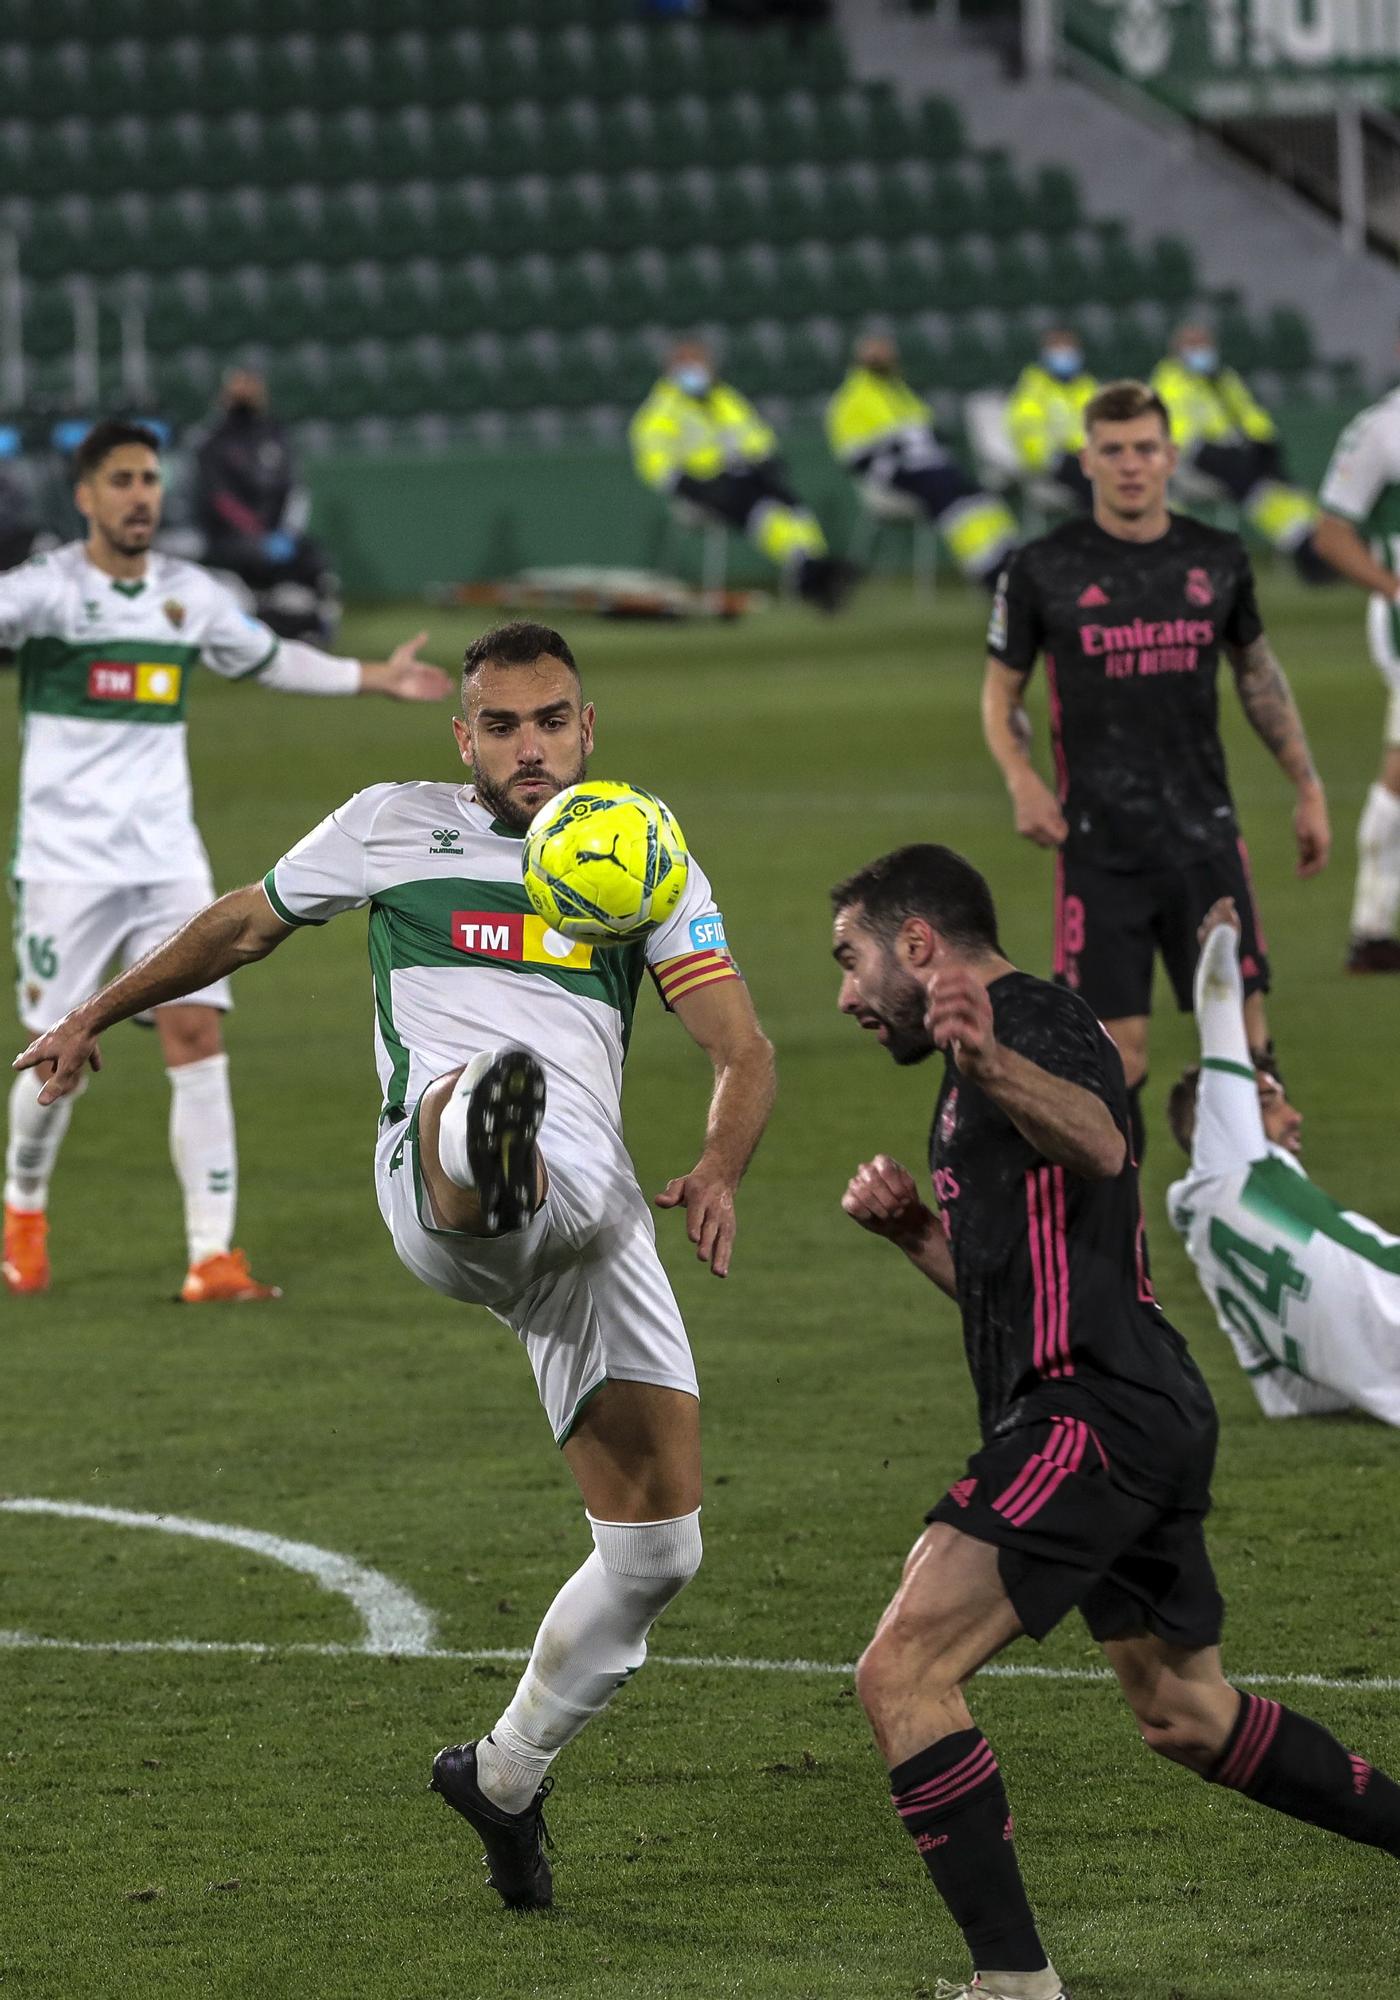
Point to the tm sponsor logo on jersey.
(1148, 646)
(518, 939)
(134, 680)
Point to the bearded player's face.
(527, 734)
(1129, 465)
(877, 991)
(121, 499)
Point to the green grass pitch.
(256, 1823)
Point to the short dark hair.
(1121, 402)
(518, 644)
(928, 881)
(109, 435)
(1181, 1107)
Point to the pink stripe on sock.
(1251, 1746)
(1272, 1718)
(973, 1770)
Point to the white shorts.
(581, 1285)
(1380, 633)
(69, 934)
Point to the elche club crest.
(1199, 588)
(174, 611)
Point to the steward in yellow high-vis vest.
(699, 442)
(882, 432)
(1045, 416)
(1228, 437)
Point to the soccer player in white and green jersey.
(1359, 535)
(108, 633)
(1308, 1293)
(501, 1168)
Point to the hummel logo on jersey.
(447, 838)
(1092, 596)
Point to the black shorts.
(1068, 1534)
(1110, 926)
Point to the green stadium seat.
(1055, 203)
(48, 322)
(1004, 207)
(890, 133)
(176, 233)
(952, 203)
(461, 142)
(1170, 272)
(348, 228)
(632, 295)
(692, 287)
(940, 130)
(232, 77)
(1119, 277)
(1014, 280)
(1289, 340)
(1067, 279)
(803, 281)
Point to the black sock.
(953, 1802)
(1136, 1128)
(1289, 1762)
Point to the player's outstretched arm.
(237, 929)
(1338, 542)
(721, 1018)
(1063, 1121)
(1007, 730)
(1229, 1131)
(1267, 700)
(883, 1197)
(404, 677)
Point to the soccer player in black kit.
(1131, 610)
(1098, 1433)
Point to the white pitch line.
(394, 1620)
(703, 1662)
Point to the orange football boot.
(26, 1263)
(225, 1275)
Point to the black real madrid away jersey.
(1131, 634)
(1057, 1306)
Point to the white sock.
(593, 1639)
(205, 1155)
(452, 1126)
(1022, 1985)
(1377, 902)
(35, 1135)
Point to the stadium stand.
(450, 216)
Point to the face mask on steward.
(1064, 363)
(1201, 360)
(692, 377)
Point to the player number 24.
(1269, 1278)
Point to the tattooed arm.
(1267, 700)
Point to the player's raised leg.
(1188, 1711)
(635, 1454)
(949, 1616)
(478, 1132)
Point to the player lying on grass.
(1098, 1433)
(107, 857)
(501, 1168)
(1308, 1293)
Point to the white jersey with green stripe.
(1362, 484)
(104, 671)
(1308, 1293)
(459, 959)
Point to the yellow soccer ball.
(604, 862)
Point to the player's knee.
(904, 1652)
(651, 1559)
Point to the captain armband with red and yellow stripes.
(705, 964)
